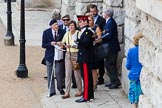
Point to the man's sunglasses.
(65, 19)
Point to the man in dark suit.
(85, 58)
(100, 22)
(66, 20)
(50, 38)
(112, 39)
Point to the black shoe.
(81, 100)
(74, 86)
(108, 85)
(52, 94)
(63, 86)
(119, 84)
(113, 86)
(62, 92)
(100, 82)
(45, 77)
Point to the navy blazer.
(61, 26)
(85, 46)
(47, 38)
(112, 37)
(100, 22)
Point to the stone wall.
(68, 7)
(119, 16)
(132, 26)
(41, 3)
(78, 7)
(151, 58)
(143, 15)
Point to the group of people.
(76, 41)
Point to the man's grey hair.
(109, 12)
(56, 14)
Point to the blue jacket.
(112, 37)
(47, 38)
(133, 64)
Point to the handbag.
(75, 65)
(101, 51)
(43, 61)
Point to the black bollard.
(22, 70)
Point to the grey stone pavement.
(31, 92)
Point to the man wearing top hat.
(85, 46)
(50, 38)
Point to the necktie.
(55, 36)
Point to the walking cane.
(51, 77)
(53, 69)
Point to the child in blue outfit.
(135, 67)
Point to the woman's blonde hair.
(136, 38)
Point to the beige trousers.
(68, 73)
